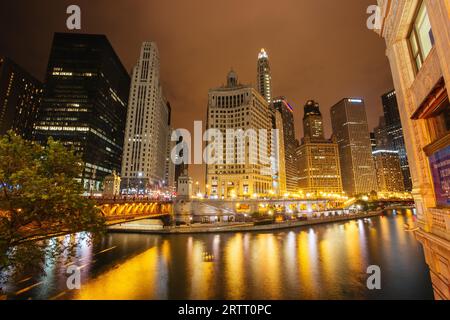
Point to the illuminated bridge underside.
(132, 210)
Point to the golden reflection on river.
(234, 264)
(307, 263)
(125, 280)
(320, 262)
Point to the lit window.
(421, 38)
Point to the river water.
(319, 262)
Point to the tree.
(40, 198)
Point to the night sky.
(318, 49)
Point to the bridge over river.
(118, 210)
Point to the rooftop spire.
(263, 54)
(232, 79)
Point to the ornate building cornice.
(396, 16)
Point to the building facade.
(20, 98)
(111, 185)
(318, 159)
(243, 167)
(264, 76)
(373, 141)
(417, 35)
(169, 169)
(145, 156)
(349, 122)
(180, 165)
(381, 135)
(277, 158)
(184, 186)
(319, 167)
(394, 131)
(389, 171)
(290, 142)
(85, 103)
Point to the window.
(421, 39)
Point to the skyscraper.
(394, 132)
(290, 142)
(381, 135)
(349, 122)
(373, 141)
(239, 107)
(85, 103)
(318, 159)
(169, 169)
(264, 79)
(277, 158)
(20, 97)
(145, 154)
(312, 121)
(389, 172)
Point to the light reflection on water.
(320, 262)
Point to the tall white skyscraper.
(264, 80)
(240, 107)
(144, 164)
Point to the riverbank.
(238, 227)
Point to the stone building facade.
(245, 168)
(417, 35)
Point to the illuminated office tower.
(85, 103)
(318, 159)
(389, 171)
(144, 164)
(236, 106)
(264, 80)
(373, 141)
(20, 98)
(349, 122)
(381, 135)
(394, 132)
(278, 159)
(290, 142)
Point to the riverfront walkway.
(235, 227)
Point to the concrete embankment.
(237, 227)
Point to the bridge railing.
(128, 199)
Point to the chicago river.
(317, 262)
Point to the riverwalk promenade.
(142, 227)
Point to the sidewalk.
(237, 227)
